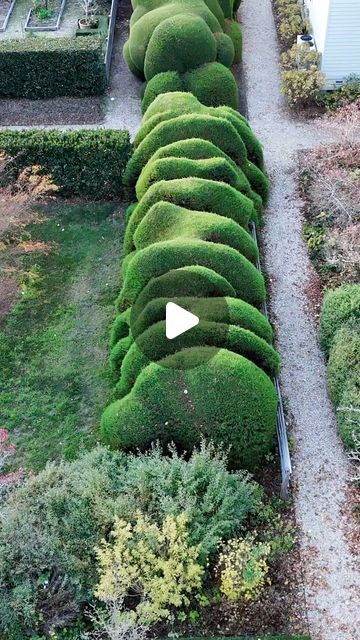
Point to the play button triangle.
(178, 320)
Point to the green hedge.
(165, 221)
(339, 306)
(193, 193)
(87, 163)
(51, 67)
(161, 257)
(237, 410)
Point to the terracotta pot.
(87, 24)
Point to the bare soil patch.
(55, 111)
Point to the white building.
(336, 29)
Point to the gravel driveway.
(321, 470)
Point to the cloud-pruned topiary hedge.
(198, 175)
(199, 61)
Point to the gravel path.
(321, 470)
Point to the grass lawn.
(54, 342)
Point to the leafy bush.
(193, 193)
(258, 181)
(339, 306)
(165, 221)
(290, 21)
(242, 568)
(161, 83)
(88, 163)
(51, 525)
(157, 259)
(232, 29)
(155, 563)
(238, 409)
(302, 81)
(167, 52)
(344, 362)
(51, 67)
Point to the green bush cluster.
(198, 174)
(50, 527)
(87, 163)
(340, 339)
(198, 62)
(51, 67)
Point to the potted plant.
(89, 20)
(42, 11)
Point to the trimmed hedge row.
(199, 61)
(340, 339)
(87, 163)
(188, 240)
(51, 67)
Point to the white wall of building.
(336, 28)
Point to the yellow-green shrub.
(154, 562)
(242, 568)
(301, 79)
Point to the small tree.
(90, 9)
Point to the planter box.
(53, 23)
(101, 30)
(4, 21)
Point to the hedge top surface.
(165, 221)
(216, 130)
(217, 169)
(193, 193)
(234, 311)
(338, 307)
(179, 43)
(161, 257)
(50, 44)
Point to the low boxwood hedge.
(237, 410)
(339, 306)
(87, 163)
(51, 67)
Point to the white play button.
(178, 320)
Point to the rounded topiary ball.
(213, 84)
(225, 49)
(165, 82)
(179, 43)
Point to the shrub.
(166, 221)
(154, 561)
(339, 306)
(172, 168)
(216, 130)
(225, 51)
(161, 83)
(167, 51)
(51, 67)
(232, 29)
(120, 327)
(301, 79)
(151, 347)
(243, 568)
(157, 259)
(238, 409)
(344, 362)
(214, 309)
(129, 61)
(213, 84)
(87, 163)
(144, 28)
(348, 416)
(51, 525)
(118, 353)
(193, 193)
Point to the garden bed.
(6, 8)
(45, 18)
